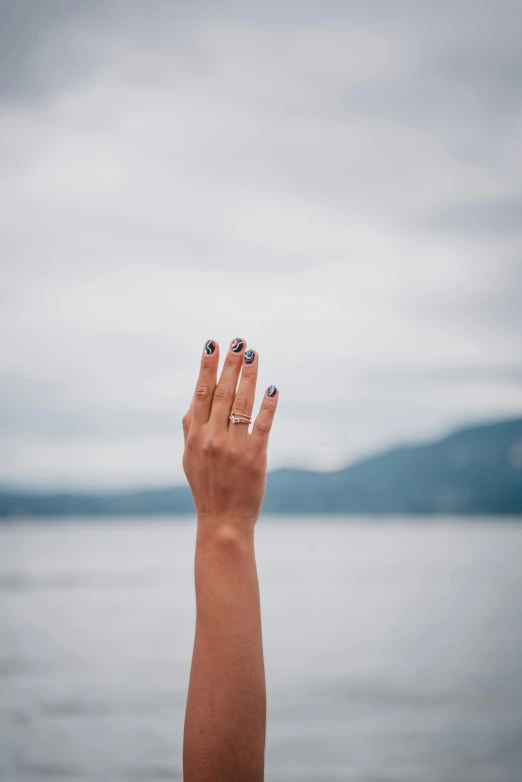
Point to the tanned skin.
(225, 465)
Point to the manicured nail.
(249, 356)
(210, 347)
(272, 391)
(236, 346)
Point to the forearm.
(226, 709)
(225, 465)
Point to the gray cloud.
(40, 47)
(337, 182)
(488, 216)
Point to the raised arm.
(226, 468)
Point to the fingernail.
(249, 356)
(272, 391)
(236, 346)
(210, 347)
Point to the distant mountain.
(474, 470)
(477, 470)
(147, 502)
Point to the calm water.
(393, 649)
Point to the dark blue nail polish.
(272, 391)
(249, 356)
(210, 347)
(236, 346)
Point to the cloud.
(490, 217)
(334, 183)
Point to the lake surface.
(393, 649)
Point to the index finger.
(206, 384)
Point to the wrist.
(224, 533)
(225, 556)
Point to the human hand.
(224, 464)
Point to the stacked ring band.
(239, 419)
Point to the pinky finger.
(264, 420)
(187, 420)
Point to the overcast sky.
(340, 183)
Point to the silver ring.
(239, 419)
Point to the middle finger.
(226, 388)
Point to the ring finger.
(244, 400)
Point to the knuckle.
(241, 404)
(263, 426)
(234, 454)
(211, 446)
(185, 421)
(221, 392)
(207, 362)
(202, 391)
(230, 361)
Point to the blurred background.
(340, 184)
